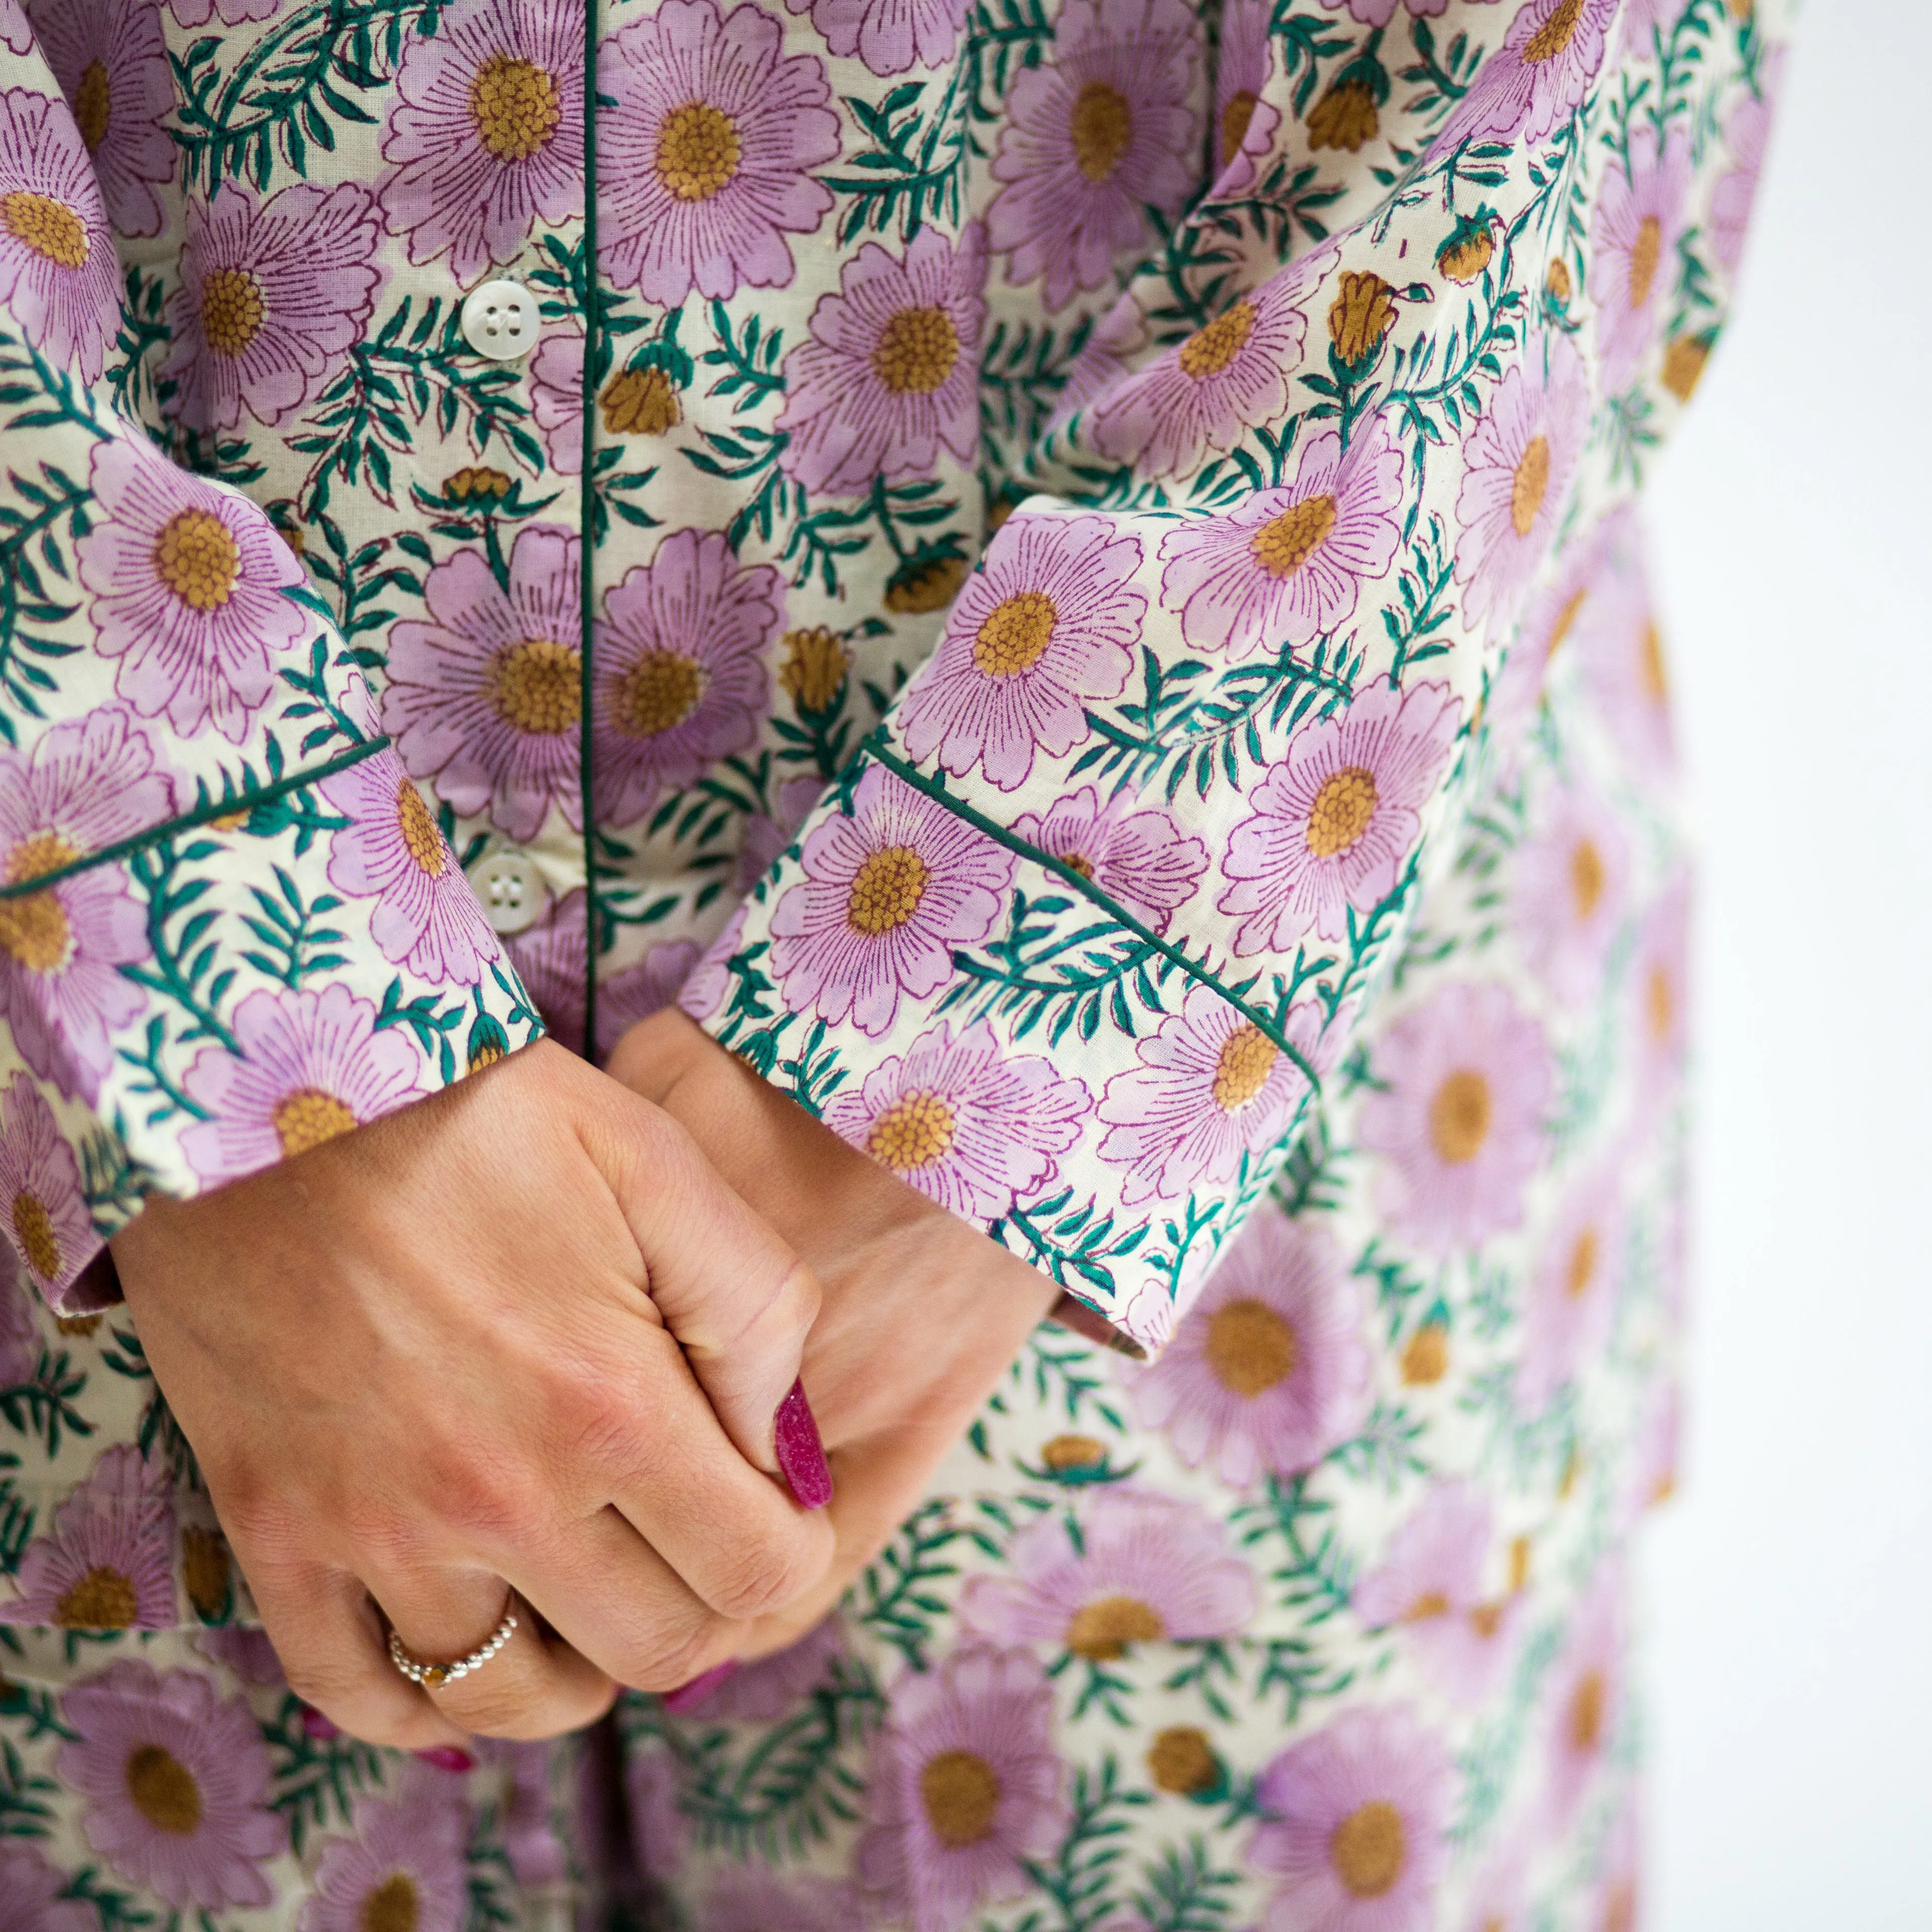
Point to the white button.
(512, 890)
(499, 320)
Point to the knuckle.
(665, 1661)
(762, 1573)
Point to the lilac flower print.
(965, 1788)
(1355, 1835)
(1538, 77)
(1244, 124)
(708, 151)
(1620, 648)
(273, 296)
(1639, 221)
(1094, 138)
(973, 1128)
(1210, 1087)
(551, 958)
(1289, 563)
(47, 1224)
(680, 677)
(404, 1867)
(230, 12)
(1049, 624)
(1586, 1697)
(247, 1653)
(1333, 821)
(108, 1562)
(1141, 860)
(33, 1895)
(1660, 1433)
(1140, 1569)
(1659, 989)
(556, 398)
(766, 835)
(1118, 333)
(749, 1898)
(1572, 1292)
(1617, 1906)
(639, 990)
(20, 1334)
(16, 37)
(1271, 1369)
(112, 64)
(187, 578)
(770, 1688)
(175, 1781)
(888, 374)
(306, 1067)
(1568, 892)
(1379, 13)
(889, 35)
(486, 698)
(1430, 1584)
(1458, 1117)
(1519, 461)
(1746, 135)
(392, 850)
(59, 276)
(1229, 376)
(710, 981)
(888, 891)
(487, 136)
(1498, 1899)
(87, 784)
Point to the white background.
(1790, 1585)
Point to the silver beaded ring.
(434, 1676)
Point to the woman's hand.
(442, 1353)
(921, 1314)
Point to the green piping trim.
(206, 814)
(587, 528)
(1086, 888)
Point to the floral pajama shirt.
(1067, 579)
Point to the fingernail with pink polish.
(448, 1757)
(801, 1454)
(687, 1695)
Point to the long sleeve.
(230, 926)
(1079, 942)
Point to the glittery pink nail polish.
(801, 1454)
(681, 1700)
(447, 1757)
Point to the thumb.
(737, 1297)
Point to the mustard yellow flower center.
(641, 402)
(1684, 366)
(698, 151)
(392, 1906)
(1367, 1849)
(232, 309)
(1014, 634)
(204, 1569)
(1073, 1452)
(1430, 1603)
(50, 228)
(1251, 1348)
(661, 690)
(91, 105)
(163, 1790)
(535, 685)
(1180, 1759)
(1341, 812)
(33, 928)
(887, 891)
(1566, 620)
(1531, 484)
(960, 1793)
(916, 352)
(1586, 1713)
(103, 1599)
(306, 1117)
(1459, 1116)
(1425, 1359)
(1660, 1004)
(1656, 679)
(1284, 544)
(417, 824)
(1583, 1268)
(912, 1133)
(1555, 34)
(1586, 876)
(1102, 127)
(1644, 256)
(34, 1228)
(515, 106)
(196, 557)
(1242, 1067)
(1075, 863)
(1234, 118)
(1209, 350)
(1102, 1629)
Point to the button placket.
(499, 320)
(510, 889)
